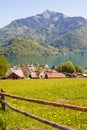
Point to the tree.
(3, 65)
(39, 69)
(25, 70)
(78, 69)
(69, 67)
(66, 67)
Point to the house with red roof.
(54, 75)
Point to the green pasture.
(69, 91)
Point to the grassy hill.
(68, 91)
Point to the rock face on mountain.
(66, 34)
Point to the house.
(42, 75)
(81, 76)
(31, 68)
(78, 75)
(84, 75)
(54, 75)
(15, 74)
(69, 75)
(33, 75)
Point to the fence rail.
(78, 108)
(53, 124)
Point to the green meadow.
(69, 91)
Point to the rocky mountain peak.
(51, 14)
(47, 14)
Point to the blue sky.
(16, 9)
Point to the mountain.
(72, 42)
(61, 33)
(19, 46)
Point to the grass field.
(69, 91)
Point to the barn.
(15, 74)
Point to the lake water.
(80, 60)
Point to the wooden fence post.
(3, 98)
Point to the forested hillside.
(20, 46)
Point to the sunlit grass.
(70, 91)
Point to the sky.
(15, 9)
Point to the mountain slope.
(42, 27)
(73, 42)
(20, 46)
(49, 28)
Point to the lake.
(80, 60)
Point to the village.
(34, 71)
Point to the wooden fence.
(53, 124)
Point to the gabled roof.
(55, 75)
(17, 72)
(84, 75)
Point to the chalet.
(33, 75)
(54, 75)
(15, 74)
